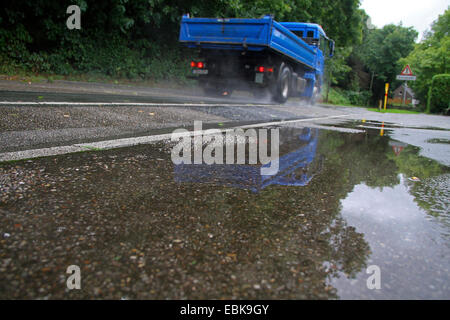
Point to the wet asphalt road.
(361, 190)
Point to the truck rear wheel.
(282, 88)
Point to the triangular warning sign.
(407, 71)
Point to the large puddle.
(141, 227)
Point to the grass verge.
(393, 111)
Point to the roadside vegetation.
(137, 41)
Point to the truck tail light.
(199, 65)
(264, 69)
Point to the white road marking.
(128, 142)
(274, 123)
(138, 104)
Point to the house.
(398, 95)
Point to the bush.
(336, 97)
(439, 94)
(358, 98)
(13, 44)
(113, 57)
(347, 97)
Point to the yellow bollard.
(386, 90)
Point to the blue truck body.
(266, 43)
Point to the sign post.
(406, 75)
(405, 86)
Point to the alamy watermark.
(208, 147)
(74, 20)
(74, 280)
(374, 281)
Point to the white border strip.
(128, 142)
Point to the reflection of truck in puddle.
(296, 168)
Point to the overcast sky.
(412, 13)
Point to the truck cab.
(313, 35)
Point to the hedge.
(439, 94)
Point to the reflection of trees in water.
(432, 194)
(362, 157)
(431, 191)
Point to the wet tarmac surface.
(141, 227)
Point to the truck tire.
(282, 88)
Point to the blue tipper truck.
(284, 58)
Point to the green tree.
(430, 57)
(381, 51)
